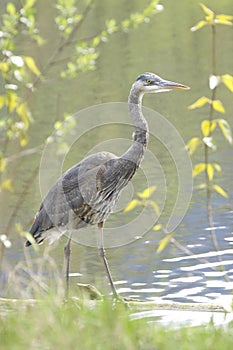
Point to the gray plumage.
(87, 193)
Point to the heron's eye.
(149, 81)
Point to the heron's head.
(152, 83)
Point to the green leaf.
(164, 242)
(199, 25)
(199, 168)
(4, 67)
(31, 65)
(155, 206)
(223, 21)
(28, 236)
(210, 171)
(157, 227)
(7, 185)
(226, 129)
(11, 9)
(220, 190)
(96, 41)
(2, 101)
(131, 205)
(199, 103)
(207, 127)
(218, 106)
(217, 167)
(193, 144)
(24, 113)
(201, 186)
(147, 192)
(24, 138)
(206, 10)
(2, 164)
(111, 26)
(227, 80)
(11, 100)
(29, 4)
(225, 17)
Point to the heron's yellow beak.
(173, 86)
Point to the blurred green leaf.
(207, 127)
(201, 186)
(199, 103)
(28, 4)
(7, 185)
(32, 65)
(131, 205)
(199, 25)
(11, 8)
(226, 129)
(4, 67)
(2, 101)
(199, 168)
(24, 113)
(217, 167)
(206, 10)
(147, 192)
(221, 19)
(28, 236)
(193, 144)
(157, 227)
(164, 242)
(218, 106)
(155, 206)
(220, 190)
(227, 80)
(24, 138)
(210, 171)
(111, 26)
(2, 163)
(11, 100)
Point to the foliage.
(143, 200)
(209, 126)
(212, 19)
(21, 75)
(206, 140)
(55, 325)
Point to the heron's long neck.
(140, 136)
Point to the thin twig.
(24, 153)
(206, 158)
(58, 50)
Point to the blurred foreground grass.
(50, 324)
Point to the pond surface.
(167, 47)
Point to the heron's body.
(87, 193)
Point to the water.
(167, 47)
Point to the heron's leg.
(103, 256)
(67, 252)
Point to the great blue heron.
(87, 193)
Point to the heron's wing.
(67, 201)
(74, 195)
(116, 176)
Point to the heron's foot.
(88, 291)
(118, 300)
